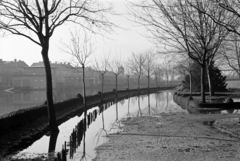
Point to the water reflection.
(139, 108)
(116, 125)
(52, 142)
(149, 107)
(13, 101)
(101, 121)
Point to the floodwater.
(13, 101)
(105, 122)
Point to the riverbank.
(23, 135)
(175, 137)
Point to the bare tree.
(231, 52)
(158, 72)
(37, 21)
(117, 68)
(101, 67)
(80, 48)
(136, 63)
(183, 67)
(149, 65)
(127, 72)
(181, 26)
(232, 7)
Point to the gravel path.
(173, 137)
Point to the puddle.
(106, 121)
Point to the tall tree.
(181, 25)
(37, 21)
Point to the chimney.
(15, 60)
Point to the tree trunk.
(128, 83)
(156, 81)
(203, 69)
(128, 86)
(148, 82)
(49, 93)
(167, 81)
(138, 84)
(209, 83)
(102, 89)
(149, 109)
(116, 86)
(190, 82)
(84, 92)
(139, 108)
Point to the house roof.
(41, 64)
(15, 63)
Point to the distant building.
(34, 77)
(9, 69)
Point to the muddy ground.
(175, 137)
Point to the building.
(34, 77)
(9, 69)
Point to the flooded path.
(104, 121)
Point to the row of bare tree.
(198, 30)
(37, 21)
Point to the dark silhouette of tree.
(218, 80)
(37, 21)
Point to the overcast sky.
(123, 42)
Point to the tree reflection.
(139, 108)
(116, 125)
(52, 142)
(102, 132)
(128, 114)
(149, 108)
(83, 158)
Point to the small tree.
(136, 63)
(149, 65)
(127, 72)
(80, 49)
(183, 67)
(117, 68)
(101, 67)
(157, 72)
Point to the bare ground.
(174, 137)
